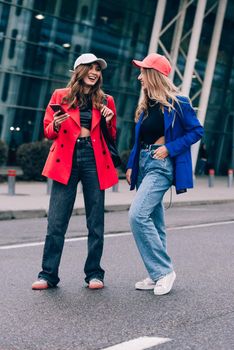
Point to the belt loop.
(149, 147)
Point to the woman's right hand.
(59, 119)
(128, 176)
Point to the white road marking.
(111, 235)
(35, 244)
(201, 225)
(139, 343)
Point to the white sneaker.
(40, 284)
(95, 283)
(146, 284)
(164, 284)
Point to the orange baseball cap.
(155, 61)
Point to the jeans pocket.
(151, 154)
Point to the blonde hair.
(159, 89)
(76, 95)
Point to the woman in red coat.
(78, 153)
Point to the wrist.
(56, 127)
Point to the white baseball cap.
(87, 58)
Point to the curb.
(199, 202)
(22, 214)
(42, 213)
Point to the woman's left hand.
(160, 153)
(107, 113)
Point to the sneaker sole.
(40, 287)
(144, 288)
(96, 286)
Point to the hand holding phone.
(57, 107)
(60, 117)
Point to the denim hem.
(45, 277)
(156, 277)
(87, 279)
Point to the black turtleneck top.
(152, 127)
(86, 113)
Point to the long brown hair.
(76, 95)
(159, 89)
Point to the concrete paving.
(31, 198)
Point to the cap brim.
(102, 63)
(139, 64)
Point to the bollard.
(11, 181)
(230, 177)
(49, 186)
(115, 188)
(211, 178)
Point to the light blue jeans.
(146, 214)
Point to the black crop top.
(152, 127)
(86, 114)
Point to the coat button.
(62, 145)
(58, 160)
(108, 166)
(65, 131)
(104, 152)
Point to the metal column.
(158, 20)
(210, 67)
(155, 34)
(193, 46)
(177, 36)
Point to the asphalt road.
(197, 314)
(34, 230)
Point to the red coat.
(59, 162)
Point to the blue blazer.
(181, 130)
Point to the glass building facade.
(40, 40)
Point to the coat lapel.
(75, 115)
(96, 117)
(138, 127)
(168, 118)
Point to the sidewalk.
(31, 200)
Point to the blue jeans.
(61, 205)
(146, 215)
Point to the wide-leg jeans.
(146, 214)
(60, 209)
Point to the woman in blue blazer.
(166, 127)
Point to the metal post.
(230, 177)
(11, 181)
(232, 154)
(209, 73)
(158, 20)
(211, 178)
(49, 186)
(115, 188)
(193, 46)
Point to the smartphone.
(56, 108)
